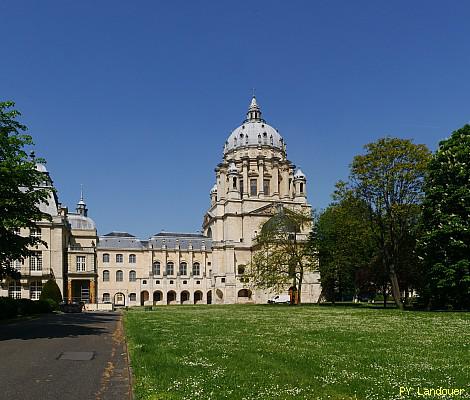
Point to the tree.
(20, 195)
(282, 255)
(445, 245)
(389, 179)
(51, 291)
(343, 239)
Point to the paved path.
(32, 356)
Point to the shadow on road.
(57, 326)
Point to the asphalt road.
(38, 358)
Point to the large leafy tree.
(389, 179)
(446, 221)
(343, 240)
(282, 255)
(20, 192)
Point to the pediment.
(267, 210)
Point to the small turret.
(254, 112)
(300, 185)
(81, 205)
(233, 181)
(214, 194)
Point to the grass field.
(307, 352)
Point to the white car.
(280, 298)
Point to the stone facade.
(253, 180)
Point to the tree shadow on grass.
(51, 326)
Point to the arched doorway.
(171, 297)
(209, 297)
(144, 296)
(197, 297)
(219, 296)
(244, 296)
(119, 299)
(157, 296)
(184, 297)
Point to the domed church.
(252, 183)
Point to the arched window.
(235, 142)
(132, 276)
(265, 138)
(301, 187)
(35, 290)
(105, 275)
(132, 297)
(119, 258)
(106, 258)
(156, 268)
(259, 138)
(106, 298)
(196, 269)
(119, 276)
(170, 268)
(14, 290)
(271, 140)
(183, 268)
(132, 258)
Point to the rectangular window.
(35, 232)
(35, 261)
(81, 264)
(35, 290)
(15, 265)
(241, 187)
(266, 187)
(253, 187)
(106, 298)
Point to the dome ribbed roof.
(254, 132)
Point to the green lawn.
(307, 352)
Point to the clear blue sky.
(135, 99)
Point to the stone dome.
(81, 222)
(254, 132)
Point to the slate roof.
(124, 240)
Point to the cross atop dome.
(254, 112)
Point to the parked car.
(279, 298)
(71, 307)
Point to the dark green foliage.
(8, 308)
(343, 240)
(389, 179)
(445, 244)
(19, 194)
(51, 291)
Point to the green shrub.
(8, 308)
(25, 306)
(45, 306)
(50, 290)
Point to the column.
(69, 290)
(92, 291)
(260, 178)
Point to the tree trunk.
(395, 288)
(384, 294)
